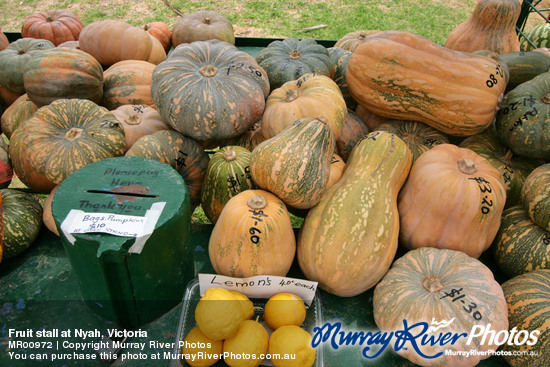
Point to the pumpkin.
(524, 66)
(522, 122)
(351, 40)
(56, 26)
(354, 129)
(295, 164)
(290, 58)
(14, 60)
(138, 121)
(47, 216)
(160, 31)
(62, 137)
(8, 97)
(128, 82)
(536, 37)
(345, 244)
(311, 95)
(183, 153)
(337, 168)
(528, 300)
(223, 90)
(21, 110)
(520, 246)
(227, 175)
(491, 26)
(340, 58)
(419, 137)
(63, 73)
(535, 195)
(404, 76)
(249, 140)
(427, 285)
(202, 25)
(372, 120)
(110, 41)
(70, 44)
(513, 169)
(4, 42)
(253, 236)
(6, 170)
(453, 199)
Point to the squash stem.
(467, 166)
(73, 134)
(229, 155)
(546, 98)
(295, 54)
(432, 284)
(257, 202)
(208, 71)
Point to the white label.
(260, 286)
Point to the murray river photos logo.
(418, 335)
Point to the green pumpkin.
(535, 195)
(523, 66)
(21, 221)
(209, 90)
(181, 152)
(14, 60)
(227, 175)
(514, 169)
(523, 121)
(340, 58)
(291, 58)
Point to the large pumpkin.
(346, 243)
(535, 195)
(56, 26)
(61, 138)
(404, 76)
(209, 90)
(202, 25)
(21, 110)
(432, 285)
(128, 82)
(453, 199)
(253, 236)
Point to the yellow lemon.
(219, 314)
(290, 346)
(200, 350)
(284, 309)
(247, 348)
(246, 304)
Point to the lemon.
(290, 346)
(284, 309)
(202, 350)
(246, 304)
(247, 348)
(219, 314)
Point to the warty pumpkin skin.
(535, 195)
(220, 91)
(311, 95)
(435, 284)
(56, 26)
(404, 76)
(253, 236)
(349, 239)
(21, 110)
(62, 137)
(491, 26)
(128, 82)
(63, 73)
(453, 199)
(295, 164)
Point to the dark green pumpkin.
(535, 195)
(523, 121)
(227, 175)
(520, 246)
(209, 90)
(514, 169)
(340, 58)
(14, 60)
(523, 66)
(291, 58)
(21, 221)
(181, 152)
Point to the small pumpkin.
(57, 26)
(4, 42)
(202, 25)
(128, 82)
(535, 195)
(351, 40)
(21, 110)
(253, 236)
(354, 130)
(160, 31)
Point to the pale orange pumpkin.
(337, 167)
(128, 82)
(47, 216)
(453, 199)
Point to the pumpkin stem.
(208, 71)
(411, 138)
(133, 120)
(323, 119)
(21, 52)
(295, 54)
(432, 284)
(361, 36)
(73, 134)
(467, 166)
(207, 20)
(49, 18)
(257, 202)
(229, 155)
(546, 98)
(291, 95)
(508, 156)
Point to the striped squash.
(295, 164)
(539, 35)
(535, 195)
(181, 152)
(19, 111)
(520, 245)
(345, 243)
(209, 90)
(340, 58)
(427, 285)
(400, 75)
(528, 299)
(227, 175)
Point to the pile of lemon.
(225, 330)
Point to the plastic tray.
(187, 322)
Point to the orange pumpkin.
(4, 42)
(160, 31)
(8, 96)
(337, 167)
(128, 82)
(47, 216)
(453, 199)
(354, 130)
(57, 26)
(371, 119)
(202, 25)
(21, 110)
